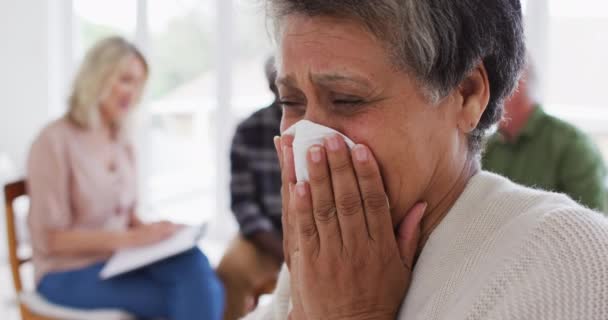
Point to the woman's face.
(125, 90)
(335, 73)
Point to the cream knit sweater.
(502, 252)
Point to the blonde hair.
(91, 83)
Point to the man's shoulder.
(259, 129)
(265, 117)
(571, 140)
(563, 129)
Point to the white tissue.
(307, 134)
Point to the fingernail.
(290, 188)
(333, 143)
(283, 141)
(315, 154)
(301, 189)
(361, 153)
(422, 211)
(277, 142)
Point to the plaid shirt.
(255, 184)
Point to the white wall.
(536, 30)
(32, 71)
(33, 74)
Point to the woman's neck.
(451, 186)
(110, 130)
(109, 127)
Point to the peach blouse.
(77, 179)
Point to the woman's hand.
(150, 233)
(345, 260)
(135, 221)
(79, 242)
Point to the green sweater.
(553, 155)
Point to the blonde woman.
(81, 178)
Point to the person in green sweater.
(538, 150)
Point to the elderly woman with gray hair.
(401, 222)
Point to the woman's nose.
(320, 116)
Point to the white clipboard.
(127, 260)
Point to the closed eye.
(292, 107)
(286, 103)
(349, 101)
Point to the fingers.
(346, 193)
(323, 202)
(408, 234)
(288, 180)
(278, 149)
(283, 147)
(166, 229)
(278, 144)
(308, 236)
(288, 162)
(375, 201)
(157, 231)
(289, 242)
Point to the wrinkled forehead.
(329, 49)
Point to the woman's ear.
(474, 95)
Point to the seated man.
(538, 150)
(253, 260)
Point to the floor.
(8, 306)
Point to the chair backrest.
(13, 191)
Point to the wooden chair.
(12, 191)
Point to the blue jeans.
(183, 287)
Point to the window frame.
(223, 113)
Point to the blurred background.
(207, 61)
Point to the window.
(206, 74)
(179, 110)
(581, 8)
(576, 65)
(577, 53)
(98, 19)
(252, 49)
(177, 139)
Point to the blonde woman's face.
(125, 90)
